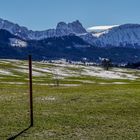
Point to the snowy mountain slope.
(123, 35)
(97, 29)
(10, 39)
(17, 42)
(127, 35)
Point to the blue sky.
(44, 14)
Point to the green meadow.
(89, 103)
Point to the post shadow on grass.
(20, 133)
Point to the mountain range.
(121, 43)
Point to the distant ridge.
(127, 35)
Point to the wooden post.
(30, 90)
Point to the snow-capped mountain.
(121, 36)
(62, 29)
(70, 47)
(127, 35)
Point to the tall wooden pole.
(31, 90)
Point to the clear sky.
(44, 14)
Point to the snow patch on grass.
(26, 71)
(13, 83)
(115, 73)
(82, 81)
(5, 72)
(46, 98)
(62, 71)
(60, 85)
(117, 83)
(108, 74)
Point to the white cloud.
(100, 28)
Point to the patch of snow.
(102, 83)
(61, 70)
(99, 34)
(47, 98)
(100, 28)
(27, 71)
(70, 85)
(5, 72)
(120, 83)
(108, 74)
(82, 81)
(43, 69)
(117, 83)
(11, 60)
(17, 43)
(63, 85)
(13, 83)
(24, 67)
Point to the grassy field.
(83, 107)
